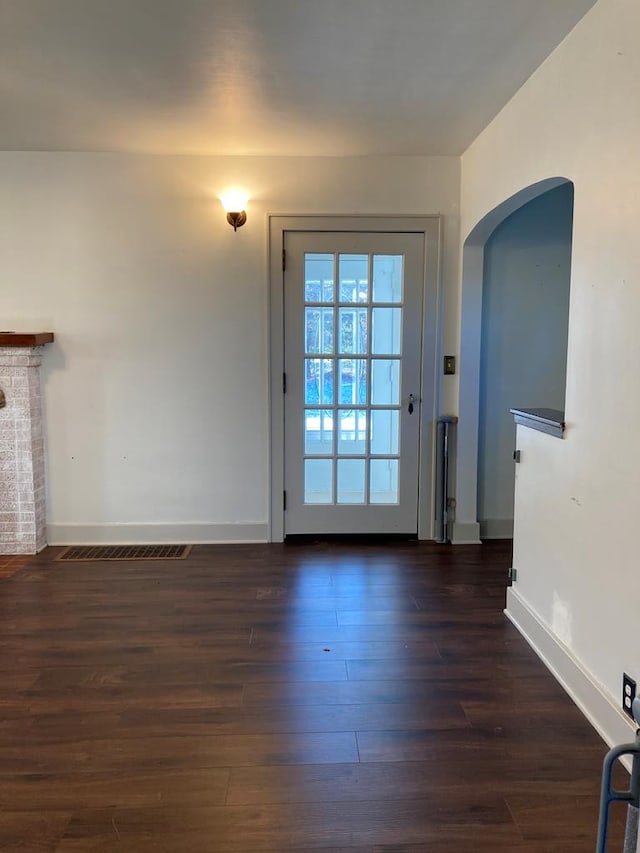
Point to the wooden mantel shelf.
(25, 339)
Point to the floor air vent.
(83, 553)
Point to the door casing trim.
(430, 225)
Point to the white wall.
(575, 545)
(525, 310)
(156, 391)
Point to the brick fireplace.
(22, 464)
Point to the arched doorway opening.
(516, 264)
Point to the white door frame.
(431, 227)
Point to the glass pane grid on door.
(353, 306)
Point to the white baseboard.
(597, 706)
(149, 534)
(465, 533)
(496, 528)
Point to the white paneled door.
(353, 309)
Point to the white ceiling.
(287, 77)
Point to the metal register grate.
(82, 553)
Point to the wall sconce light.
(234, 203)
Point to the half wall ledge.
(550, 421)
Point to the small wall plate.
(449, 368)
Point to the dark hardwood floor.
(336, 697)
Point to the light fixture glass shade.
(233, 201)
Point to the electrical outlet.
(628, 694)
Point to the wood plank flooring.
(336, 697)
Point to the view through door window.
(353, 306)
